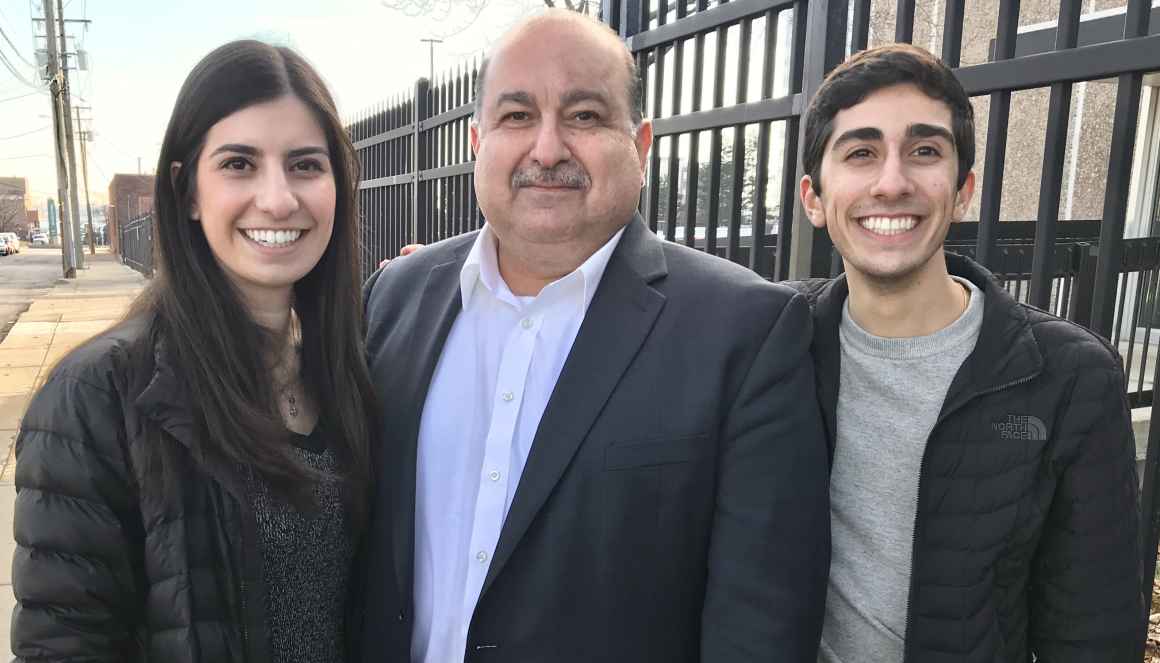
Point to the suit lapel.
(617, 322)
(440, 304)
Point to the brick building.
(14, 206)
(130, 196)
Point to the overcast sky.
(140, 52)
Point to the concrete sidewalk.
(69, 313)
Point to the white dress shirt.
(495, 375)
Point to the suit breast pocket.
(653, 452)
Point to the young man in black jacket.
(983, 486)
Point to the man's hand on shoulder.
(403, 252)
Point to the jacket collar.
(165, 399)
(1006, 351)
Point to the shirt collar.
(482, 267)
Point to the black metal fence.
(417, 182)
(136, 245)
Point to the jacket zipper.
(245, 613)
(245, 616)
(906, 644)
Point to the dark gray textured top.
(306, 564)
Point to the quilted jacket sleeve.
(1085, 602)
(76, 570)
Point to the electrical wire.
(14, 49)
(21, 96)
(26, 133)
(16, 74)
(27, 156)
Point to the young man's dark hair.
(883, 67)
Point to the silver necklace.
(293, 410)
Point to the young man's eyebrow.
(924, 130)
(861, 133)
(303, 151)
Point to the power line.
(14, 49)
(27, 156)
(21, 96)
(19, 77)
(26, 133)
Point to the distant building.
(130, 196)
(14, 206)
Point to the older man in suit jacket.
(599, 446)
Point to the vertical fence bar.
(1119, 176)
(420, 210)
(833, 53)
(757, 260)
(694, 173)
(860, 33)
(674, 140)
(791, 160)
(654, 170)
(904, 22)
(952, 46)
(989, 207)
(1055, 148)
(715, 143)
(733, 242)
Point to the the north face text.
(1020, 427)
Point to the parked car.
(39, 239)
(13, 242)
(4, 249)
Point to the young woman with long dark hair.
(191, 484)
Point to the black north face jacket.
(1025, 538)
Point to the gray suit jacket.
(674, 505)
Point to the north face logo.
(1021, 427)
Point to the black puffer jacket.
(1026, 532)
(103, 571)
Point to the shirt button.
(508, 396)
(526, 323)
(493, 475)
(481, 556)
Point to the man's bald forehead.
(582, 24)
(579, 24)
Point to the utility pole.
(66, 113)
(431, 50)
(67, 246)
(85, 137)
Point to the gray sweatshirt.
(890, 395)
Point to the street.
(23, 277)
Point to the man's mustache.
(568, 174)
